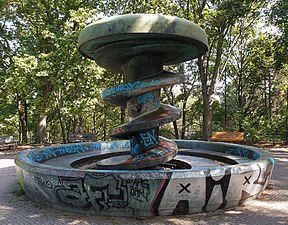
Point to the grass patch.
(17, 190)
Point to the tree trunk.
(208, 89)
(63, 131)
(23, 119)
(41, 129)
(207, 104)
(42, 121)
(176, 131)
(183, 130)
(207, 118)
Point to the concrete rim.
(173, 192)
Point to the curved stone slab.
(111, 41)
(50, 176)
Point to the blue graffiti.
(135, 147)
(247, 153)
(149, 139)
(129, 86)
(148, 98)
(42, 155)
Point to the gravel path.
(270, 209)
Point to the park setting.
(171, 112)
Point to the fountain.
(143, 174)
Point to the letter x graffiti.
(184, 188)
(247, 180)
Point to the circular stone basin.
(204, 176)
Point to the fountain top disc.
(121, 38)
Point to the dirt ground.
(270, 208)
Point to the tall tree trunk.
(176, 131)
(183, 130)
(41, 129)
(207, 118)
(207, 104)
(63, 131)
(23, 119)
(208, 88)
(42, 120)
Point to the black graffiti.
(111, 195)
(71, 191)
(211, 183)
(182, 208)
(158, 197)
(247, 180)
(101, 193)
(43, 183)
(138, 188)
(262, 176)
(184, 188)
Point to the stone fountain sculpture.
(138, 46)
(143, 175)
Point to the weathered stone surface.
(146, 33)
(64, 177)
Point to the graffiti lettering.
(210, 183)
(148, 97)
(262, 176)
(72, 192)
(184, 188)
(247, 180)
(243, 153)
(44, 183)
(53, 152)
(138, 188)
(148, 138)
(129, 86)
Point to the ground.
(270, 208)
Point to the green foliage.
(279, 17)
(42, 73)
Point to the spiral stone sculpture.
(138, 46)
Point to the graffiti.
(211, 183)
(182, 208)
(105, 192)
(149, 139)
(243, 153)
(72, 192)
(149, 97)
(54, 152)
(137, 188)
(111, 195)
(129, 86)
(247, 180)
(154, 207)
(135, 146)
(93, 191)
(43, 183)
(184, 188)
(262, 176)
(153, 153)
